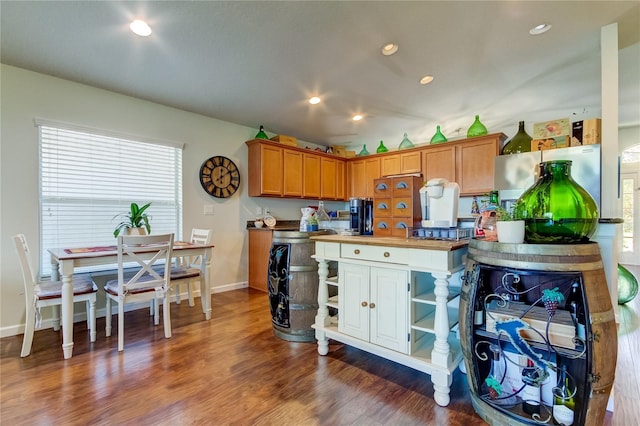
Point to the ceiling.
(254, 63)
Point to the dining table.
(64, 261)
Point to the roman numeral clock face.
(219, 177)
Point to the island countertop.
(443, 245)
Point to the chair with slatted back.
(148, 253)
(40, 293)
(189, 268)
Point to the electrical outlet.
(208, 209)
(259, 211)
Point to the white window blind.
(86, 179)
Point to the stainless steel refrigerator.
(517, 172)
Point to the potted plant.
(510, 228)
(136, 221)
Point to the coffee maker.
(361, 216)
(439, 200)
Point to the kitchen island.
(393, 297)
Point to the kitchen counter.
(441, 245)
(281, 225)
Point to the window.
(87, 178)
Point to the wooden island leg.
(322, 318)
(441, 353)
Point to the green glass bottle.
(521, 142)
(476, 129)
(438, 137)
(261, 134)
(556, 209)
(381, 148)
(364, 151)
(406, 143)
(627, 285)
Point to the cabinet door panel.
(259, 247)
(354, 292)
(390, 165)
(292, 173)
(439, 163)
(372, 172)
(389, 322)
(328, 172)
(410, 162)
(475, 166)
(357, 179)
(341, 180)
(311, 176)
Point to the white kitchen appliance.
(439, 200)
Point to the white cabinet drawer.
(331, 250)
(375, 253)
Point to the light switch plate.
(208, 209)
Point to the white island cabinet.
(393, 297)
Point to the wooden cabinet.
(280, 171)
(362, 173)
(259, 246)
(292, 171)
(475, 164)
(373, 305)
(401, 163)
(266, 166)
(439, 161)
(396, 205)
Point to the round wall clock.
(219, 177)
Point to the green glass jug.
(438, 137)
(364, 151)
(406, 143)
(556, 209)
(521, 142)
(381, 148)
(261, 134)
(476, 129)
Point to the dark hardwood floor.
(230, 370)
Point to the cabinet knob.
(372, 305)
(364, 304)
(356, 251)
(386, 254)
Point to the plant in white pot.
(136, 221)
(510, 228)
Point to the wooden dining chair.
(146, 284)
(188, 269)
(41, 293)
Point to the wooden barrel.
(293, 285)
(602, 342)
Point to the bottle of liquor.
(575, 306)
(531, 391)
(478, 315)
(563, 400)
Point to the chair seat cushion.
(111, 286)
(53, 289)
(179, 272)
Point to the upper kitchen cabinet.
(362, 173)
(439, 161)
(281, 171)
(475, 163)
(400, 163)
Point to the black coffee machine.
(361, 215)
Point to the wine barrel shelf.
(506, 285)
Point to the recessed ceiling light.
(357, 117)
(540, 29)
(389, 49)
(314, 100)
(426, 79)
(140, 28)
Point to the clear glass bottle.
(476, 129)
(322, 216)
(521, 142)
(493, 387)
(381, 148)
(563, 400)
(406, 143)
(261, 134)
(438, 137)
(556, 209)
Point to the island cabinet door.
(388, 306)
(353, 302)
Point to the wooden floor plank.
(230, 370)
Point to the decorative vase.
(381, 148)
(438, 137)
(627, 285)
(511, 232)
(476, 129)
(261, 134)
(521, 142)
(364, 151)
(406, 143)
(556, 209)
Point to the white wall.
(25, 95)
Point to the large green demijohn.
(556, 209)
